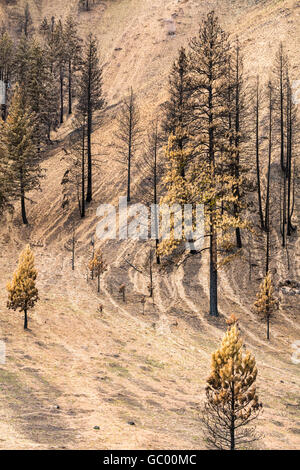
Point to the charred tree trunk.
(73, 249)
(129, 156)
(267, 209)
(25, 319)
(257, 158)
(213, 288)
(237, 144)
(61, 78)
(89, 155)
(232, 419)
(70, 86)
(281, 67)
(155, 197)
(290, 227)
(23, 208)
(83, 173)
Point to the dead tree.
(75, 177)
(128, 134)
(267, 203)
(151, 168)
(257, 152)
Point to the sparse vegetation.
(22, 291)
(231, 398)
(100, 99)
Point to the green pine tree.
(16, 138)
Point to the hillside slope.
(77, 368)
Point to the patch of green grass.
(8, 378)
(154, 363)
(122, 371)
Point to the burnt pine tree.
(73, 54)
(237, 132)
(177, 110)
(292, 128)
(267, 201)
(39, 89)
(209, 64)
(151, 169)
(280, 71)
(74, 179)
(36, 79)
(56, 53)
(59, 43)
(16, 135)
(128, 134)
(257, 108)
(90, 98)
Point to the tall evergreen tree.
(292, 128)
(179, 190)
(231, 397)
(237, 133)
(178, 110)
(22, 291)
(22, 66)
(209, 64)
(16, 137)
(90, 98)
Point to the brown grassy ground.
(119, 366)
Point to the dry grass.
(108, 369)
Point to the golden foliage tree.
(97, 265)
(179, 191)
(266, 303)
(201, 184)
(22, 291)
(208, 177)
(231, 397)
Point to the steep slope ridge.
(120, 366)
